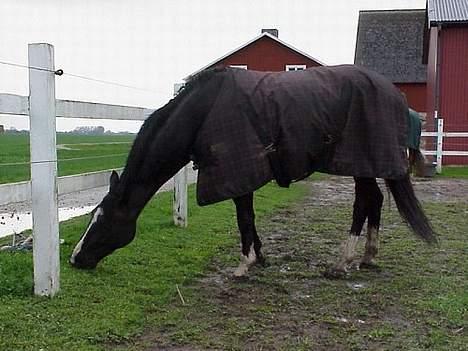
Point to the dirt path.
(289, 305)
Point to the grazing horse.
(246, 128)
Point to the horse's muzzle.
(82, 264)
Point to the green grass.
(15, 148)
(112, 304)
(454, 172)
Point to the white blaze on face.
(76, 251)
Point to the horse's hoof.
(370, 266)
(334, 273)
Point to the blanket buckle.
(270, 148)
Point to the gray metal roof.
(447, 11)
(391, 43)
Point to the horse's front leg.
(250, 242)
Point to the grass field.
(455, 172)
(113, 303)
(14, 148)
(416, 300)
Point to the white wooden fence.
(42, 109)
(440, 135)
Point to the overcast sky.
(154, 44)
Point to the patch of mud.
(288, 304)
(441, 189)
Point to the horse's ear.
(114, 181)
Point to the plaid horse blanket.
(342, 120)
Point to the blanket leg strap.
(279, 173)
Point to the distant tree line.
(99, 130)
(85, 130)
(89, 130)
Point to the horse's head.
(110, 228)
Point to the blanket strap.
(279, 173)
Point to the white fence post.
(180, 198)
(43, 169)
(180, 187)
(440, 140)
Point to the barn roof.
(447, 11)
(391, 42)
(262, 35)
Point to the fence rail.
(446, 134)
(14, 105)
(21, 191)
(11, 104)
(447, 153)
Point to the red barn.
(266, 52)
(391, 42)
(447, 80)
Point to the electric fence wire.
(60, 72)
(62, 160)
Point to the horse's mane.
(156, 121)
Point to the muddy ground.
(414, 300)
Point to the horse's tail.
(410, 208)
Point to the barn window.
(295, 67)
(238, 66)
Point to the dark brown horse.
(246, 128)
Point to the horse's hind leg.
(250, 242)
(361, 210)
(373, 224)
